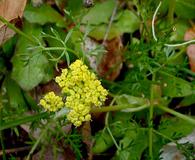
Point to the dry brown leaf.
(111, 63)
(5, 34)
(10, 10)
(48, 154)
(190, 34)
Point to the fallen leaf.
(107, 60)
(50, 155)
(190, 34)
(171, 152)
(87, 139)
(5, 34)
(111, 62)
(10, 10)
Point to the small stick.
(110, 22)
(15, 150)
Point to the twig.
(15, 150)
(110, 22)
(110, 133)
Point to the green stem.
(177, 114)
(60, 48)
(11, 26)
(151, 112)
(172, 58)
(37, 143)
(116, 108)
(109, 131)
(188, 71)
(2, 145)
(164, 136)
(171, 11)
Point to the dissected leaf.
(43, 14)
(175, 127)
(30, 66)
(171, 151)
(119, 125)
(173, 86)
(53, 42)
(133, 144)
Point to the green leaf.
(43, 14)
(175, 127)
(15, 96)
(173, 86)
(125, 99)
(99, 32)
(103, 141)
(8, 47)
(187, 101)
(23, 120)
(133, 144)
(118, 126)
(75, 7)
(126, 22)
(181, 27)
(185, 8)
(2, 66)
(31, 102)
(30, 66)
(100, 13)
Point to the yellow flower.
(51, 102)
(83, 91)
(79, 114)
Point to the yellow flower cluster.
(82, 89)
(51, 102)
